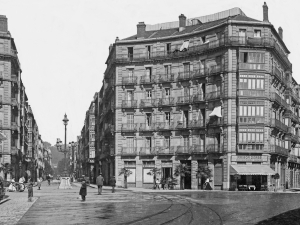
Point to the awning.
(251, 170)
(216, 112)
(2, 136)
(184, 46)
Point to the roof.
(173, 32)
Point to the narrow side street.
(54, 206)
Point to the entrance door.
(167, 172)
(218, 178)
(291, 179)
(187, 178)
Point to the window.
(257, 33)
(148, 119)
(251, 138)
(186, 91)
(130, 118)
(168, 46)
(129, 95)
(130, 74)
(149, 51)
(203, 39)
(252, 57)
(251, 112)
(167, 116)
(168, 69)
(130, 143)
(242, 32)
(167, 142)
(186, 67)
(130, 53)
(148, 74)
(186, 142)
(251, 83)
(149, 94)
(148, 142)
(167, 91)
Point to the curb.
(4, 200)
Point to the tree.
(6, 168)
(154, 172)
(48, 168)
(182, 170)
(126, 172)
(203, 172)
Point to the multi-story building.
(15, 127)
(215, 90)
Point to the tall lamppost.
(72, 145)
(64, 150)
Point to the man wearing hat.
(99, 182)
(113, 184)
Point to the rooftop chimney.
(3, 23)
(265, 10)
(182, 22)
(280, 33)
(141, 30)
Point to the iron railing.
(127, 151)
(170, 101)
(129, 103)
(148, 151)
(129, 127)
(214, 148)
(275, 149)
(181, 150)
(166, 150)
(129, 80)
(149, 103)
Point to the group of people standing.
(99, 182)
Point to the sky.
(63, 45)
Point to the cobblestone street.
(55, 206)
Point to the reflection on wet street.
(125, 207)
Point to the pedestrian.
(163, 182)
(11, 186)
(83, 191)
(113, 184)
(157, 183)
(99, 182)
(39, 182)
(30, 190)
(48, 177)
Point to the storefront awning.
(216, 112)
(251, 170)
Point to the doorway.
(187, 178)
(167, 172)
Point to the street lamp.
(59, 145)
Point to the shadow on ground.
(291, 217)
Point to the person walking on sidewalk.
(48, 177)
(30, 189)
(99, 182)
(39, 182)
(113, 184)
(83, 191)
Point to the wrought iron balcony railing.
(129, 103)
(129, 127)
(214, 95)
(278, 124)
(168, 125)
(214, 148)
(276, 98)
(252, 93)
(252, 66)
(129, 151)
(186, 75)
(182, 150)
(196, 124)
(149, 103)
(147, 127)
(251, 120)
(129, 81)
(166, 78)
(148, 79)
(168, 150)
(199, 98)
(170, 101)
(198, 149)
(292, 158)
(182, 100)
(275, 149)
(148, 151)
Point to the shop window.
(147, 166)
(131, 165)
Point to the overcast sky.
(63, 45)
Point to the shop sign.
(249, 158)
(91, 160)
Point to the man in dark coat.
(83, 191)
(30, 189)
(99, 182)
(113, 184)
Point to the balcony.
(165, 125)
(146, 151)
(129, 127)
(198, 150)
(200, 73)
(294, 95)
(149, 103)
(166, 150)
(276, 72)
(215, 121)
(214, 69)
(187, 75)
(129, 151)
(292, 116)
(183, 150)
(166, 102)
(196, 124)
(213, 95)
(166, 78)
(279, 125)
(199, 98)
(295, 138)
(252, 93)
(147, 127)
(251, 120)
(278, 150)
(276, 98)
(183, 100)
(129, 81)
(265, 42)
(252, 66)
(214, 148)
(148, 79)
(129, 104)
(292, 158)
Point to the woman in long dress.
(11, 186)
(83, 191)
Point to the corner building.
(215, 90)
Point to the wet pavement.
(127, 207)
